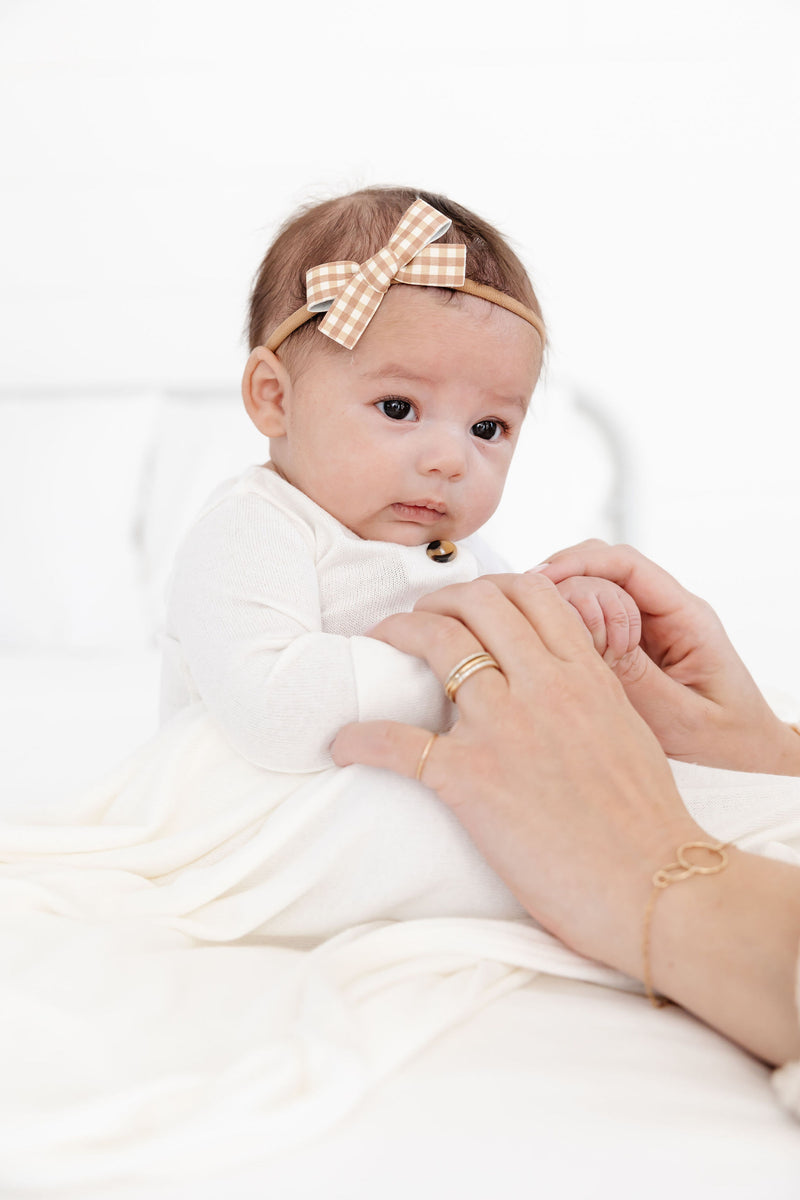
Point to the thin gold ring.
(462, 671)
(423, 758)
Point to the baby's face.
(409, 437)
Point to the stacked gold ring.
(462, 671)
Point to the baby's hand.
(608, 613)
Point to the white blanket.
(204, 962)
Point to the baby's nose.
(443, 453)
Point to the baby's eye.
(490, 431)
(396, 408)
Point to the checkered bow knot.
(352, 292)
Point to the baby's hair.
(354, 227)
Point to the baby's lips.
(433, 505)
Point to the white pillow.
(70, 478)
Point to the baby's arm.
(608, 612)
(245, 613)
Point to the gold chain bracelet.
(675, 872)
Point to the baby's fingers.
(623, 623)
(609, 614)
(586, 603)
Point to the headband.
(350, 293)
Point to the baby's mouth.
(425, 512)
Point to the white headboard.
(97, 486)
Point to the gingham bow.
(352, 292)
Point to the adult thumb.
(663, 703)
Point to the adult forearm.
(779, 755)
(725, 947)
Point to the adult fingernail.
(538, 567)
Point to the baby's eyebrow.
(396, 371)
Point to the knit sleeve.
(786, 1080)
(245, 609)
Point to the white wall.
(642, 157)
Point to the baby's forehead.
(422, 314)
(423, 324)
(403, 299)
(426, 343)
(433, 337)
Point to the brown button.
(442, 552)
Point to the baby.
(396, 341)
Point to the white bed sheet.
(564, 1090)
(561, 1088)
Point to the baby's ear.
(266, 388)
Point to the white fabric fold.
(207, 962)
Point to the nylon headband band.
(481, 290)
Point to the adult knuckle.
(524, 586)
(484, 589)
(388, 624)
(447, 633)
(703, 608)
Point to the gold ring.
(423, 758)
(462, 671)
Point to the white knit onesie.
(269, 603)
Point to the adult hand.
(557, 779)
(685, 678)
(567, 794)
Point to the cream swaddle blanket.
(220, 949)
(202, 963)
